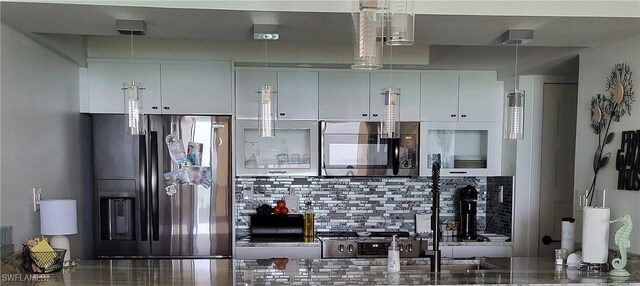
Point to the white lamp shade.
(58, 217)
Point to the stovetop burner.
(350, 234)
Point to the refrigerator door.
(194, 222)
(120, 188)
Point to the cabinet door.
(409, 84)
(248, 84)
(343, 96)
(298, 95)
(196, 88)
(461, 148)
(479, 97)
(439, 99)
(105, 86)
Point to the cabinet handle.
(457, 172)
(281, 113)
(166, 107)
(374, 115)
(453, 115)
(277, 172)
(463, 115)
(154, 107)
(364, 114)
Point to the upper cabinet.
(452, 96)
(170, 87)
(297, 93)
(343, 95)
(196, 88)
(105, 81)
(409, 85)
(248, 84)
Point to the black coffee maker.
(468, 204)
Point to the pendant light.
(514, 116)
(391, 100)
(133, 90)
(401, 22)
(266, 93)
(368, 24)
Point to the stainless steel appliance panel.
(194, 222)
(356, 149)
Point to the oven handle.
(394, 145)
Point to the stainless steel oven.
(356, 149)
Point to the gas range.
(372, 245)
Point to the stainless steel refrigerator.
(134, 215)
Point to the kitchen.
(61, 177)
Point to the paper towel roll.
(595, 234)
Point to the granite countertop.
(519, 270)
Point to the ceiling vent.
(128, 27)
(519, 37)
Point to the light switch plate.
(423, 223)
(37, 195)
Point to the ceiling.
(455, 41)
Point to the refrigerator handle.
(155, 220)
(142, 159)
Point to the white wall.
(45, 141)
(595, 66)
(527, 174)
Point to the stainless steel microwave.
(356, 149)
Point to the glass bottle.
(309, 228)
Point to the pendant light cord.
(131, 38)
(391, 64)
(265, 53)
(516, 71)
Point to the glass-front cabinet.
(293, 150)
(461, 148)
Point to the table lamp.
(59, 218)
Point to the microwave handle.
(394, 145)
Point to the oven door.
(356, 149)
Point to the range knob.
(401, 247)
(350, 248)
(409, 248)
(341, 248)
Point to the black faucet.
(435, 254)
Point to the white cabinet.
(439, 96)
(461, 148)
(452, 96)
(248, 84)
(409, 84)
(343, 96)
(105, 86)
(196, 88)
(297, 93)
(481, 251)
(479, 98)
(170, 87)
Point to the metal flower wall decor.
(605, 109)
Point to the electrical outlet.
(247, 192)
(579, 200)
(37, 195)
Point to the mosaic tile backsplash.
(361, 204)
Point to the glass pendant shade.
(514, 123)
(266, 111)
(367, 24)
(400, 26)
(133, 107)
(391, 118)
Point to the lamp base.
(61, 241)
